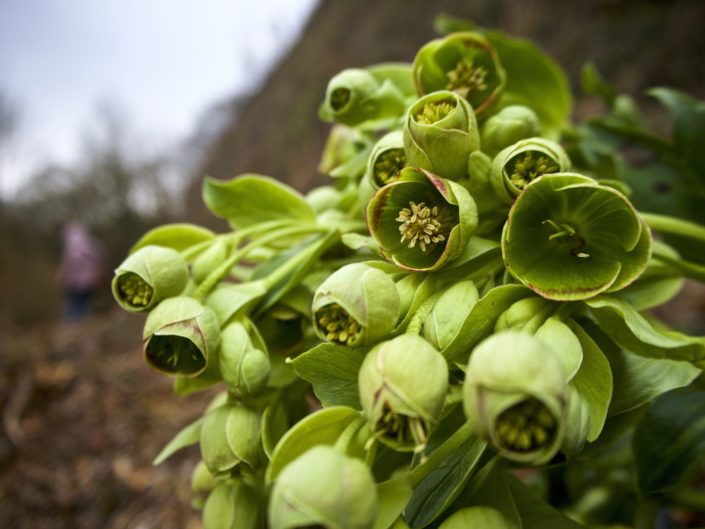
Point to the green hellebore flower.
(440, 133)
(448, 315)
(357, 305)
(230, 438)
(570, 238)
(180, 335)
(518, 165)
(403, 383)
(324, 488)
(202, 482)
(232, 505)
(386, 160)
(244, 368)
(515, 395)
(421, 221)
(508, 126)
(356, 97)
(345, 153)
(148, 276)
(464, 63)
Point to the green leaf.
(229, 301)
(274, 426)
(669, 439)
(562, 339)
(488, 490)
(175, 236)
(392, 497)
(452, 464)
(534, 80)
(332, 370)
(321, 427)
(188, 436)
(593, 381)
(251, 199)
(535, 513)
(633, 332)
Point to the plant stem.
(674, 226)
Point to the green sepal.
(449, 313)
(386, 159)
(230, 436)
(180, 337)
(232, 505)
(202, 483)
(508, 126)
(244, 368)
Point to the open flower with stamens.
(421, 221)
(464, 63)
(570, 238)
(515, 395)
(403, 383)
(149, 275)
(440, 133)
(386, 160)
(518, 165)
(180, 336)
(357, 305)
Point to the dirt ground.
(83, 417)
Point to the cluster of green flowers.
(457, 302)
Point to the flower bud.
(232, 505)
(526, 314)
(244, 368)
(202, 482)
(149, 275)
(464, 63)
(515, 396)
(518, 165)
(324, 488)
(356, 97)
(357, 305)
(209, 260)
(508, 126)
(440, 133)
(570, 238)
(386, 160)
(230, 437)
(421, 221)
(477, 516)
(449, 313)
(403, 383)
(180, 335)
(345, 153)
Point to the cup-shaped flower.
(569, 238)
(508, 126)
(403, 383)
(345, 153)
(421, 221)
(245, 369)
(230, 437)
(149, 275)
(180, 336)
(515, 395)
(386, 159)
(518, 165)
(464, 63)
(356, 97)
(357, 305)
(440, 132)
(323, 488)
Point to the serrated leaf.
(251, 199)
(332, 371)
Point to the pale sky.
(163, 62)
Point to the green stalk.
(674, 226)
(683, 267)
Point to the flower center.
(135, 290)
(434, 112)
(566, 233)
(466, 78)
(338, 326)
(401, 429)
(419, 223)
(339, 98)
(526, 426)
(387, 165)
(530, 166)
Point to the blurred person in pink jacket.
(82, 270)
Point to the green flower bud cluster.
(465, 296)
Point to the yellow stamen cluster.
(564, 231)
(135, 290)
(434, 111)
(420, 223)
(387, 165)
(401, 428)
(466, 78)
(338, 326)
(526, 426)
(527, 168)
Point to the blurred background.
(110, 115)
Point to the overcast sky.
(162, 61)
